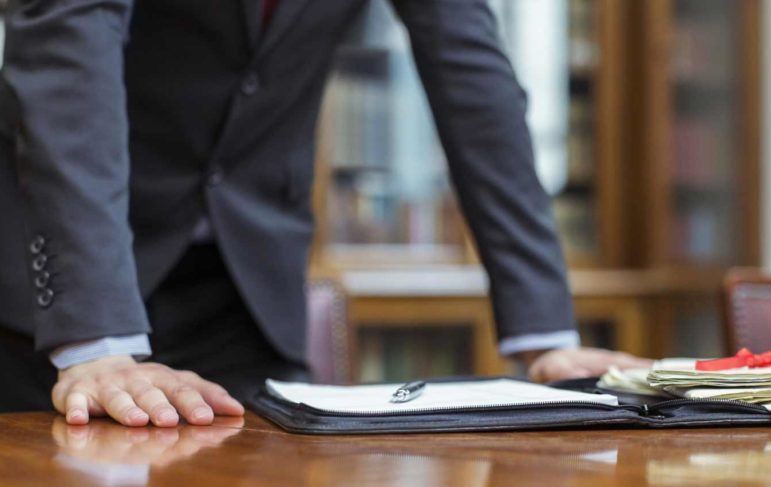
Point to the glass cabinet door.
(386, 196)
(554, 49)
(577, 207)
(705, 104)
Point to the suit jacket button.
(250, 85)
(214, 178)
(41, 280)
(45, 298)
(39, 263)
(37, 245)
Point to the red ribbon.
(743, 358)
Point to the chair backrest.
(747, 310)
(327, 344)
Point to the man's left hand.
(574, 363)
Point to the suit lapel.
(283, 18)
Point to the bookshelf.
(576, 206)
(659, 193)
(385, 196)
(699, 140)
(699, 132)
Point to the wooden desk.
(40, 449)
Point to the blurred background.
(647, 121)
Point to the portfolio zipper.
(467, 409)
(647, 410)
(644, 410)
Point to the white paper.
(376, 398)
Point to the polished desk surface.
(40, 449)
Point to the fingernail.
(202, 413)
(168, 416)
(75, 414)
(137, 414)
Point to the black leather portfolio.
(631, 412)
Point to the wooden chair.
(747, 310)
(327, 344)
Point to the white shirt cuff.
(78, 353)
(539, 341)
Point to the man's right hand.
(137, 393)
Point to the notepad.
(375, 399)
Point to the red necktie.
(268, 7)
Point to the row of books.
(703, 50)
(584, 51)
(367, 208)
(703, 151)
(389, 354)
(358, 122)
(576, 223)
(704, 231)
(581, 141)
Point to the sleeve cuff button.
(39, 263)
(45, 298)
(37, 244)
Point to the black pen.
(408, 391)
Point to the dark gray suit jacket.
(222, 123)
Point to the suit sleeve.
(479, 110)
(64, 72)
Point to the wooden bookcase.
(696, 134)
(661, 197)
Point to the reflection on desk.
(733, 459)
(110, 454)
(40, 449)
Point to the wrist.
(76, 353)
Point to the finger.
(564, 372)
(58, 395)
(576, 373)
(627, 361)
(121, 407)
(154, 402)
(76, 408)
(217, 397)
(189, 402)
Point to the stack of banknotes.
(680, 378)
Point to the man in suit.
(203, 231)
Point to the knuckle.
(188, 375)
(150, 367)
(183, 390)
(110, 395)
(128, 375)
(102, 379)
(143, 391)
(80, 385)
(60, 388)
(217, 389)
